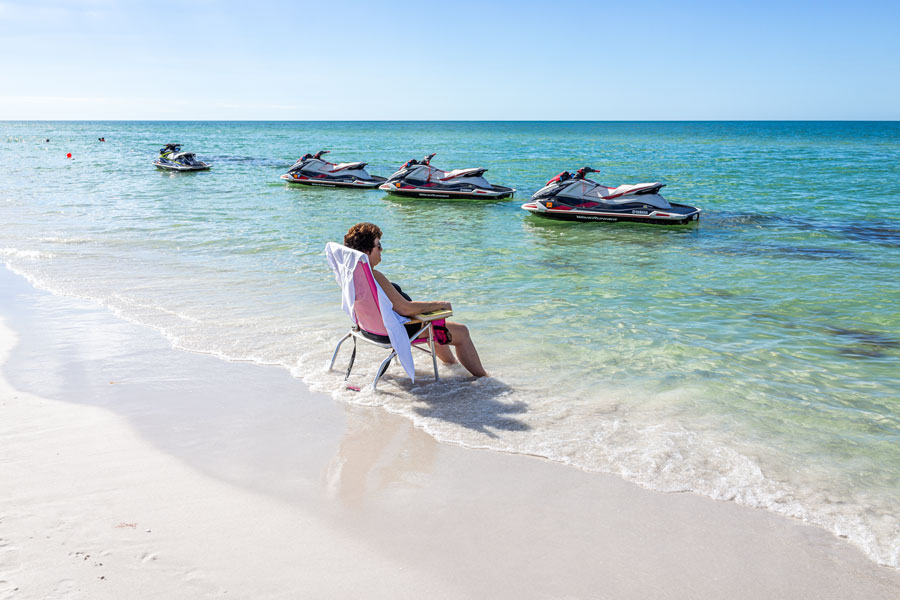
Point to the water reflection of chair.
(375, 321)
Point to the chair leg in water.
(433, 354)
(352, 359)
(336, 349)
(381, 369)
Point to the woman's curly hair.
(362, 237)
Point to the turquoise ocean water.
(753, 356)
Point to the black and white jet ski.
(311, 169)
(171, 158)
(421, 180)
(577, 198)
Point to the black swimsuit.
(402, 293)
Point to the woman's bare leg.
(444, 353)
(465, 349)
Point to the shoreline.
(251, 484)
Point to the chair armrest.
(433, 315)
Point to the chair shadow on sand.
(476, 406)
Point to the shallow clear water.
(752, 356)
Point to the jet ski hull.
(325, 182)
(678, 214)
(410, 191)
(169, 166)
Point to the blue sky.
(569, 59)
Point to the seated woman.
(366, 238)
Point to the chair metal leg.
(352, 359)
(382, 369)
(433, 355)
(336, 348)
(384, 365)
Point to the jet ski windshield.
(561, 178)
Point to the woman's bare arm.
(402, 305)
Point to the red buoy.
(68, 155)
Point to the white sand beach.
(129, 469)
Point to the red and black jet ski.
(421, 180)
(577, 198)
(311, 169)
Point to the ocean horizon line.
(449, 121)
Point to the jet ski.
(171, 158)
(421, 180)
(577, 198)
(311, 169)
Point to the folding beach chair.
(374, 320)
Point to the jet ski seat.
(472, 172)
(351, 166)
(634, 190)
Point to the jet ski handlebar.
(413, 162)
(583, 172)
(320, 153)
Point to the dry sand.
(132, 470)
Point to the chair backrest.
(365, 307)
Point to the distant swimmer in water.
(47, 140)
(103, 139)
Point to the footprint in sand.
(9, 564)
(65, 588)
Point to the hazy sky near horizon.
(349, 60)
